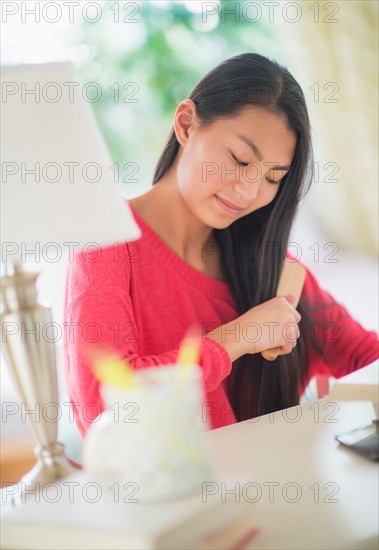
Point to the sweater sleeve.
(346, 345)
(98, 300)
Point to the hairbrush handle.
(291, 282)
(270, 354)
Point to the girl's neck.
(164, 210)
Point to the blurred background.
(143, 58)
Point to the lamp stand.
(31, 360)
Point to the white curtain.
(333, 49)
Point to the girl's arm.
(345, 344)
(98, 300)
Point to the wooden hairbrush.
(291, 282)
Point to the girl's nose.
(247, 182)
(246, 191)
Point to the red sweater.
(139, 299)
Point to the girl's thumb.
(291, 298)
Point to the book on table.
(80, 512)
(237, 534)
(361, 385)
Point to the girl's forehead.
(253, 121)
(251, 114)
(264, 133)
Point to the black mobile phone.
(363, 440)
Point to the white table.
(304, 490)
(332, 497)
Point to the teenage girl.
(215, 226)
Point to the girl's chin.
(217, 222)
(214, 217)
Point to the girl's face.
(233, 167)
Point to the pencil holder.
(151, 435)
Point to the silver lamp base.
(52, 465)
(32, 364)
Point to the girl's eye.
(239, 162)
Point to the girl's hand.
(272, 324)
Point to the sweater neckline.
(208, 284)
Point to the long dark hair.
(259, 240)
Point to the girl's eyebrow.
(252, 145)
(259, 154)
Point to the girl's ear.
(185, 120)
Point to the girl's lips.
(227, 207)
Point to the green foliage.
(148, 63)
